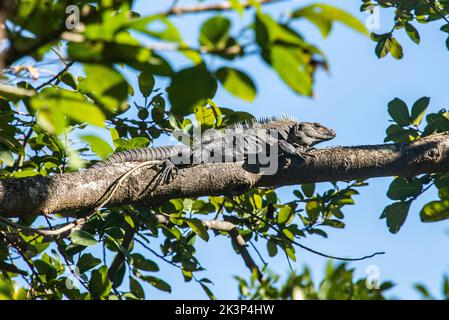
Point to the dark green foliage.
(407, 14)
(338, 284)
(50, 126)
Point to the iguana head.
(310, 133)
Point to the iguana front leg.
(294, 150)
(288, 151)
(286, 148)
(303, 152)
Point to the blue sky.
(352, 100)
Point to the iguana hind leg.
(167, 172)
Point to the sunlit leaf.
(83, 238)
(237, 83)
(435, 211)
(198, 227)
(324, 15)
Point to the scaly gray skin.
(293, 138)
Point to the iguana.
(293, 138)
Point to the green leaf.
(445, 28)
(412, 33)
(157, 26)
(382, 47)
(289, 63)
(83, 238)
(272, 248)
(6, 157)
(318, 232)
(189, 87)
(198, 227)
(397, 133)
(334, 223)
(285, 213)
(435, 211)
(86, 262)
(419, 109)
(399, 112)
(146, 83)
(386, 43)
(423, 291)
(270, 32)
(68, 79)
(401, 189)
(446, 287)
(323, 16)
(237, 6)
(214, 33)
(172, 206)
(395, 48)
(208, 117)
(106, 86)
(437, 122)
(290, 251)
(313, 209)
(207, 291)
(308, 189)
(157, 283)
(98, 145)
(237, 83)
(396, 214)
(136, 288)
(54, 103)
(141, 263)
(99, 284)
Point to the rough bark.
(62, 193)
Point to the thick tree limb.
(82, 190)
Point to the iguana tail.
(143, 154)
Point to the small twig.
(233, 232)
(222, 6)
(48, 82)
(60, 56)
(156, 254)
(20, 92)
(301, 245)
(64, 256)
(25, 258)
(27, 137)
(258, 252)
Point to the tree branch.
(223, 226)
(230, 228)
(81, 190)
(222, 6)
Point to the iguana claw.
(167, 172)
